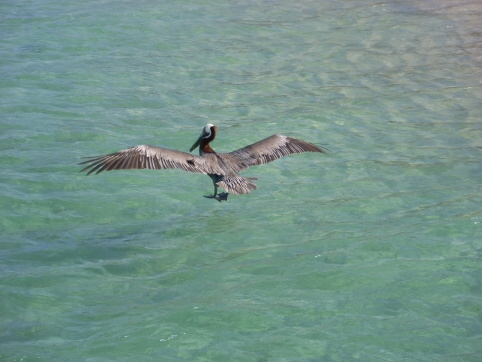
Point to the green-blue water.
(370, 254)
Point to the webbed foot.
(220, 197)
(223, 196)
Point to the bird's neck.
(205, 148)
(204, 144)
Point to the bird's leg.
(214, 195)
(222, 196)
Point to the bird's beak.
(196, 144)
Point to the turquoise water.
(372, 253)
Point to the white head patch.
(207, 130)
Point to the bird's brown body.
(223, 168)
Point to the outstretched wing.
(142, 156)
(270, 149)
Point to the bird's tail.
(235, 184)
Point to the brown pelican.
(223, 168)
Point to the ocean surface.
(370, 253)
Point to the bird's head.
(208, 133)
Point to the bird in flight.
(222, 168)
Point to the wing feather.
(140, 157)
(270, 149)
